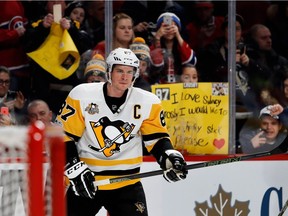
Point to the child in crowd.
(95, 70)
(189, 74)
(142, 51)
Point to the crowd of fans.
(176, 41)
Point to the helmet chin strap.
(109, 78)
(133, 81)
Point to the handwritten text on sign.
(197, 116)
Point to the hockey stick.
(189, 167)
(283, 208)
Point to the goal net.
(31, 171)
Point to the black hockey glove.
(81, 179)
(174, 165)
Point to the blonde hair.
(116, 18)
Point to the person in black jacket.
(266, 67)
(44, 85)
(12, 101)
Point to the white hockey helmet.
(122, 56)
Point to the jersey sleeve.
(154, 127)
(71, 118)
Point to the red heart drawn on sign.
(219, 143)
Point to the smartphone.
(241, 46)
(4, 111)
(167, 20)
(263, 135)
(11, 95)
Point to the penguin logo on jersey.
(111, 135)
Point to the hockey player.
(105, 124)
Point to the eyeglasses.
(4, 82)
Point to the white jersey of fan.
(112, 142)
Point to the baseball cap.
(266, 111)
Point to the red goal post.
(31, 171)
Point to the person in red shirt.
(12, 55)
(205, 28)
(123, 34)
(169, 51)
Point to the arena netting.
(31, 171)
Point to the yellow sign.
(197, 116)
(58, 54)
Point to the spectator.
(95, 70)
(123, 34)
(269, 134)
(45, 85)
(213, 59)
(15, 101)
(266, 68)
(146, 14)
(12, 55)
(141, 30)
(189, 74)
(253, 12)
(75, 12)
(169, 51)
(205, 27)
(142, 51)
(216, 70)
(38, 110)
(283, 95)
(95, 23)
(34, 10)
(277, 22)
